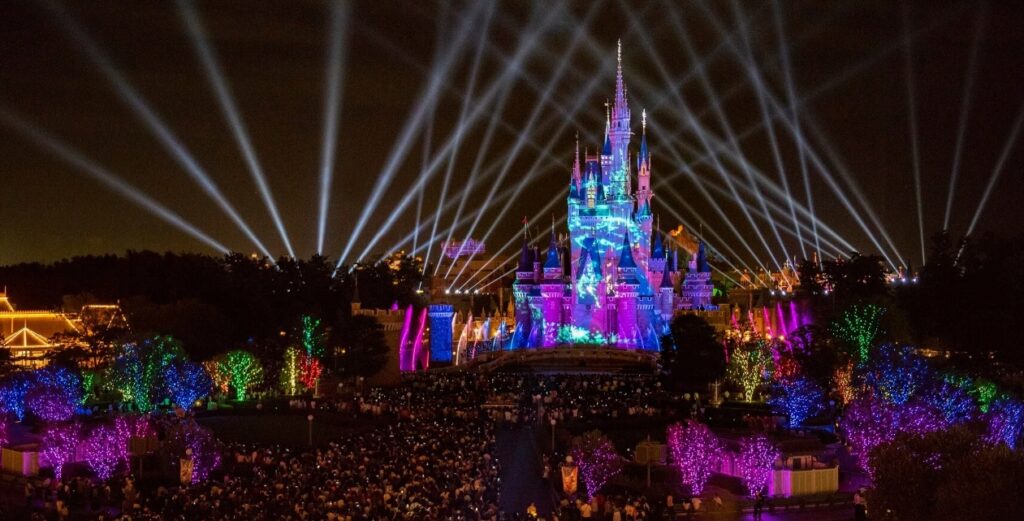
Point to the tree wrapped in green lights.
(243, 370)
(750, 364)
(138, 372)
(314, 340)
(858, 327)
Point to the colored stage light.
(118, 185)
(226, 101)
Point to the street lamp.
(310, 419)
(552, 435)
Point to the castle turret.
(618, 134)
(626, 292)
(552, 290)
(666, 294)
(521, 290)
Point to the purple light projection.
(418, 356)
(404, 364)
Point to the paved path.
(521, 470)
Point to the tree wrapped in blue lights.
(756, 461)
(896, 373)
(798, 399)
(598, 462)
(12, 393)
(54, 394)
(955, 403)
(1005, 422)
(186, 382)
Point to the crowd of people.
(430, 454)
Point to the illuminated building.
(31, 334)
(606, 283)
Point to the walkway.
(521, 470)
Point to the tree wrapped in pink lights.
(58, 446)
(756, 461)
(598, 462)
(695, 451)
(105, 450)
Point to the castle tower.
(552, 289)
(441, 329)
(619, 135)
(521, 290)
(666, 295)
(657, 263)
(626, 292)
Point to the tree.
(58, 446)
(692, 355)
(364, 350)
(858, 328)
(186, 382)
(598, 462)
(750, 363)
(946, 475)
(756, 460)
(244, 372)
(695, 451)
(140, 370)
(799, 399)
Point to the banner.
(186, 471)
(569, 475)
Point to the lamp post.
(310, 420)
(553, 435)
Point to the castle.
(606, 283)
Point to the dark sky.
(273, 54)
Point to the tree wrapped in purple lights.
(869, 422)
(756, 461)
(1005, 422)
(798, 399)
(896, 373)
(598, 462)
(695, 451)
(105, 449)
(58, 446)
(186, 383)
(188, 436)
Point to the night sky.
(273, 55)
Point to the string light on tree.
(58, 446)
(597, 460)
(695, 452)
(859, 326)
(244, 372)
(756, 460)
